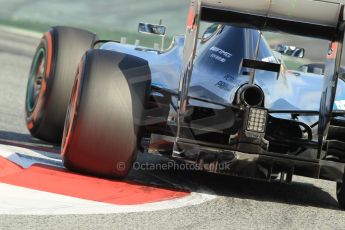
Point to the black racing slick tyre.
(105, 114)
(51, 79)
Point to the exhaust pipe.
(250, 95)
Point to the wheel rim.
(36, 78)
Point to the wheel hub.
(35, 79)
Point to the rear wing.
(315, 18)
(322, 19)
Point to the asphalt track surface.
(237, 203)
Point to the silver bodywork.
(293, 90)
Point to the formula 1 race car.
(221, 101)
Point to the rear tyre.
(105, 113)
(51, 79)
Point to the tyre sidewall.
(34, 118)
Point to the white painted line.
(27, 157)
(16, 200)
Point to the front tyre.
(105, 113)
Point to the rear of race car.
(247, 138)
(243, 136)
